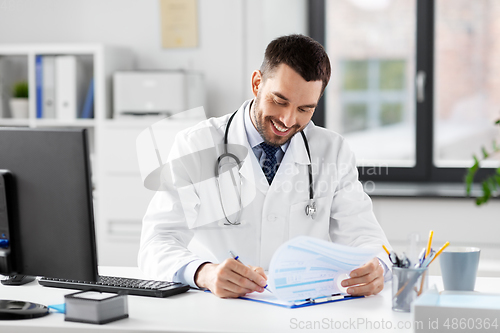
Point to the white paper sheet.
(307, 267)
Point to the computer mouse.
(18, 280)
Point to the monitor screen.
(50, 201)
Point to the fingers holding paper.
(366, 280)
(230, 279)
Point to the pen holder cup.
(407, 285)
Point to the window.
(414, 84)
(374, 106)
(467, 88)
(370, 95)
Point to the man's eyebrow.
(280, 95)
(312, 106)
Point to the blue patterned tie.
(269, 166)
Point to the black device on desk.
(46, 213)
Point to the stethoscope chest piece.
(311, 209)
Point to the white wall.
(232, 35)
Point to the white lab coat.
(185, 222)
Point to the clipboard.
(268, 298)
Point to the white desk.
(202, 312)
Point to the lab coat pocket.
(301, 224)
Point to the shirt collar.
(254, 137)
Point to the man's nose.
(287, 117)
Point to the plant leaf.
(485, 153)
(492, 183)
(486, 191)
(471, 172)
(469, 178)
(480, 201)
(489, 185)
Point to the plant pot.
(19, 108)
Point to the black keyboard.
(113, 284)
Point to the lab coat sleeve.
(165, 235)
(352, 221)
(164, 238)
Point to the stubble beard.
(259, 124)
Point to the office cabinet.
(123, 199)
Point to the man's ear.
(256, 82)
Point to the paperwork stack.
(457, 311)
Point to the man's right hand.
(230, 279)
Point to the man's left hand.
(366, 280)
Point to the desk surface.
(196, 311)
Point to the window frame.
(424, 170)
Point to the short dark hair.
(302, 53)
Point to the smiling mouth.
(280, 129)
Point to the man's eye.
(277, 102)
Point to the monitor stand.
(12, 310)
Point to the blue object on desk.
(272, 300)
(59, 308)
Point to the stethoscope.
(310, 208)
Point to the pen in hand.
(237, 258)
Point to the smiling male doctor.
(185, 236)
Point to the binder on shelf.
(88, 106)
(39, 85)
(70, 86)
(49, 87)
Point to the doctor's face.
(284, 104)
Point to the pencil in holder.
(407, 285)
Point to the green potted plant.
(19, 106)
(491, 184)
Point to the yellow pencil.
(429, 244)
(386, 250)
(439, 251)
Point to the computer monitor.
(47, 228)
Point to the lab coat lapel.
(250, 168)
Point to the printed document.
(308, 268)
